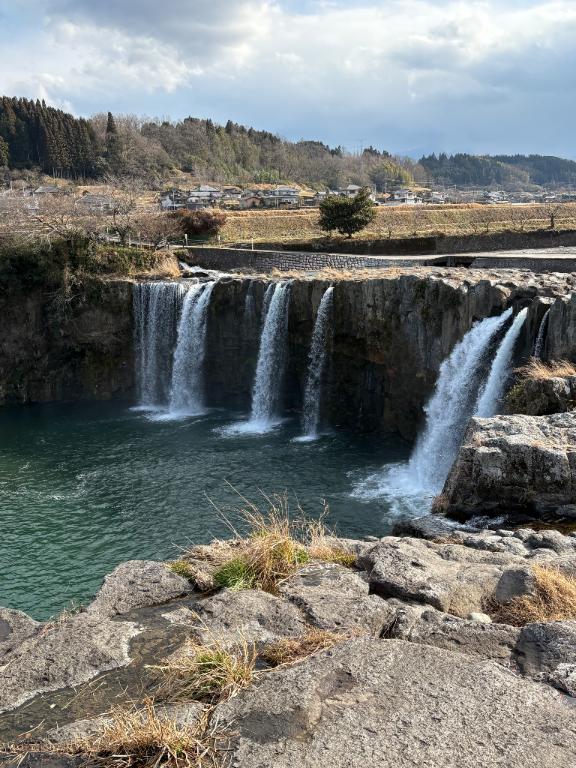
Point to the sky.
(409, 76)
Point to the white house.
(404, 197)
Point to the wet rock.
(368, 703)
(137, 584)
(336, 598)
(514, 464)
(474, 637)
(547, 651)
(255, 615)
(449, 577)
(15, 627)
(67, 653)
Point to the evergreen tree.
(347, 215)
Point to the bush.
(347, 215)
(206, 222)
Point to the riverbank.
(354, 653)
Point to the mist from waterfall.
(410, 487)
(156, 310)
(187, 387)
(492, 392)
(316, 366)
(541, 338)
(272, 359)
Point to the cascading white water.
(187, 388)
(451, 405)
(272, 356)
(316, 366)
(493, 390)
(410, 487)
(156, 309)
(541, 338)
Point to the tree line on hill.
(34, 136)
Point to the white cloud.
(399, 73)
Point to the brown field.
(405, 221)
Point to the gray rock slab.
(450, 577)
(138, 584)
(255, 615)
(482, 639)
(333, 597)
(371, 703)
(15, 627)
(67, 653)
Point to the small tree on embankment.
(347, 215)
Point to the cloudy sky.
(408, 75)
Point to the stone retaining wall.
(245, 260)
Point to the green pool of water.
(85, 487)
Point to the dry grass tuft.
(290, 650)
(210, 673)
(554, 600)
(141, 738)
(276, 546)
(537, 370)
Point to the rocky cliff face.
(515, 464)
(390, 335)
(58, 345)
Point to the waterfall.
(409, 487)
(272, 358)
(493, 390)
(541, 338)
(187, 388)
(316, 366)
(450, 407)
(156, 309)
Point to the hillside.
(34, 136)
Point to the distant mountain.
(499, 170)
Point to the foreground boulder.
(64, 654)
(138, 584)
(449, 577)
(506, 464)
(15, 627)
(542, 397)
(370, 703)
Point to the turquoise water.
(85, 486)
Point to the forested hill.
(38, 137)
(501, 170)
(34, 136)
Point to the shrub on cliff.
(347, 215)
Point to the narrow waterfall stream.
(187, 388)
(170, 330)
(493, 390)
(316, 367)
(411, 486)
(156, 309)
(272, 358)
(541, 338)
